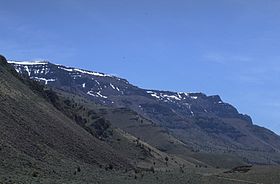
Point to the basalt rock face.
(201, 122)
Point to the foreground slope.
(35, 136)
(206, 125)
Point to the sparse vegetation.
(83, 142)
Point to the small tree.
(110, 166)
(78, 169)
(152, 169)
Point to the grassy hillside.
(142, 129)
(37, 138)
(110, 126)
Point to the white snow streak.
(28, 62)
(98, 94)
(43, 79)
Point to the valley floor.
(257, 175)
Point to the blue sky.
(225, 47)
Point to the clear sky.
(225, 47)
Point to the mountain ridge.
(202, 122)
(153, 92)
(68, 68)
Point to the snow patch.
(28, 62)
(97, 82)
(98, 94)
(194, 97)
(192, 113)
(84, 72)
(165, 96)
(92, 73)
(153, 94)
(91, 93)
(171, 96)
(27, 70)
(66, 69)
(112, 86)
(43, 79)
